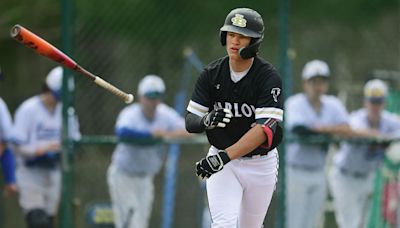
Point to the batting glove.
(217, 118)
(211, 164)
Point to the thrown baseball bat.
(44, 48)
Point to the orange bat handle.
(41, 46)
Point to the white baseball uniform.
(5, 122)
(305, 163)
(133, 167)
(7, 163)
(36, 127)
(352, 175)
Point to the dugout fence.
(122, 41)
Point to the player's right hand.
(217, 118)
(52, 148)
(10, 190)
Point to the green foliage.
(343, 11)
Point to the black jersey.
(255, 96)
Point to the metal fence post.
(284, 70)
(65, 215)
(191, 60)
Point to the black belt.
(305, 168)
(353, 174)
(258, 151)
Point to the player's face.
(52, 99)
(235, 41)
(316, 87)
(374, 108)
(149, 105)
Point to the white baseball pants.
(239, 195)
(132, 198)
(39, 189)
(306, 193)
(350, 198)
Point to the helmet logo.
(239, 20)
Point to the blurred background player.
(355, 164)
(7, 160)
(134, 165)
(310, 113)
(37, 135)
(237, 102)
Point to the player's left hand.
(211, 164)
(219, 117)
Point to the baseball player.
(237, 102)
(307, 113)
(354, 166)
(37, 135)
(134, 165)
(7, 159)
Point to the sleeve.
(125, 126)
(21, 128)
(176, 121)
(200, 100)
(293, 115)
(124, 132)
(124, 119)
(21, 133)
(270, 101)
(5, 122)
(7, 161)
(394, 125)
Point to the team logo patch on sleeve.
(275, 93)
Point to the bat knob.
(129, 99)
(15, 30)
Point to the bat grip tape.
(128, 98)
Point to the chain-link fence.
(122, 41)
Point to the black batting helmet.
(247, 22)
